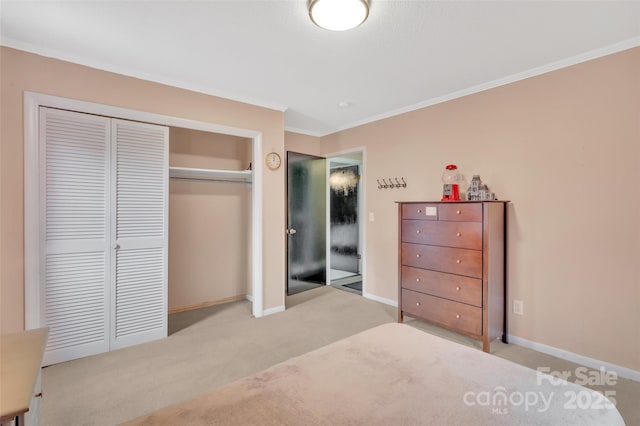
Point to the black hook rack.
(391, 184)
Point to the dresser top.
(453, 202)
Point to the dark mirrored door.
(343, 184)
(306, 222)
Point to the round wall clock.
(273, 160)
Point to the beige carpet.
(215, 346)
(390, 374)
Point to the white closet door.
(74, 236)
(139, 232)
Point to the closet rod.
(210, 180)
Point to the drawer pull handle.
(457, 316)
(458, 288)
(417, 303)
(458, 261)
(458, 212)
(459, 234)
(418, 231)
(418, 255)
(417, 280)
(419, 210)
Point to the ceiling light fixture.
(338, 15)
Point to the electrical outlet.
(518, 307)
(371, 217)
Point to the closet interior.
(209, 256)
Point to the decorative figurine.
(479, 191)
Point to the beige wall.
(21, 71)
(303, 144)
(209, 232)
(564, 147)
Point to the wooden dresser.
(452, 266)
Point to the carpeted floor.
(210, 347)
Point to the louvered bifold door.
(74, 267)
(139, 232)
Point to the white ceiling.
(408, 54)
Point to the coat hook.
(398, 185)
(391, 184)
(386, 185)
(404, 184)
(379, 184)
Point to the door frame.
(362, 229)
(32, 218)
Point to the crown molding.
(305, 132)
(59, 55)
(563, 63)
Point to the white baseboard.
(625, 372)
(266, 311)
(271, 311)
(380, 299)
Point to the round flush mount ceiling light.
(338, 15)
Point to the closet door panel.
(75, 306)
(74, 197)
(139, 232)
(139, 295)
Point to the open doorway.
(325, 229)
(345, 227)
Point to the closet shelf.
(242, 176)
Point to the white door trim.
(32, 102)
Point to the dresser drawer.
(454, 315)
(453, 287)
(440, 233)
(444, 259)
(419, 211)
(461, 212)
